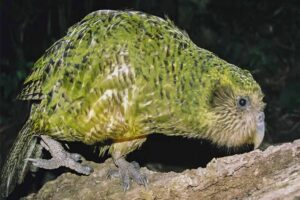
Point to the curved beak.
(260, 130)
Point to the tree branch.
(270, 174)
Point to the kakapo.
(121, 76)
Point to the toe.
(136, 165)
(87, 170)
(113, 173)
(140, 179)
(130, 171)
(76, 157)
(143, 181)
(126, 182)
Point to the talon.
(113, 173)
(60, 157)
(136, 165)
(126, 182)
(87, 169)
(143, 181)
(126, 187)
(129, 171)
(76, 157)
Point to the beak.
(260, 130)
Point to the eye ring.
(243, 102)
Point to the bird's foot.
(60, 157)
(126, 172)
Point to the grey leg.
(127, 172)
(60, 157)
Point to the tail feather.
(16, 166)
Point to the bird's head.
(236, 109)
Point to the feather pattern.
(122, 75)
(126, 74)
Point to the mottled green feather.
(121, 76)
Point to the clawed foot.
(128, 171)
(60, 157)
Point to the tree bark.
(270, 174)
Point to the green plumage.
(124, 75)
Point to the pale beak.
(260, 130)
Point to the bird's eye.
(243, 102)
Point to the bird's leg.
(127, 171)
(60, 157)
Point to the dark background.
(262, 36)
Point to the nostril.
(261, 117)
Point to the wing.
(33, 84)
(71, 51)
(99, 34)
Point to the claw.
(126, 182)
(113, 173)
(127, 172)
(87, 169)
(76, 157)
(136, 165)
(143, 181)
(60, 157)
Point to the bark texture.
(270, 174)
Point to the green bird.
(120, 76)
